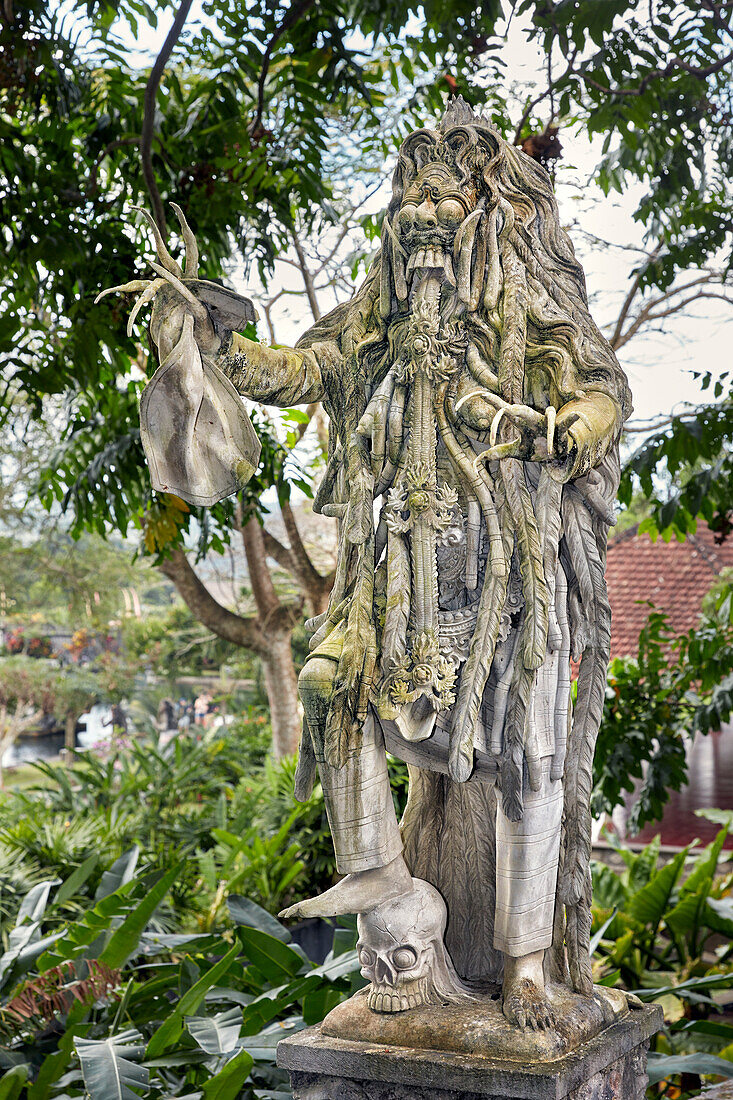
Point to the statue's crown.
(460, 113)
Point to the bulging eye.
(406, 216)
(450, 212)
(366, 957)
(404, 957)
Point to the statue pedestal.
(611, 1065)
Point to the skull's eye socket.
(366, 957)
(404, 957)
(450, 212)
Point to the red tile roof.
(674, 576)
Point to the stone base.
(479, 1027)
(610, 1066)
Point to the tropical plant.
(103, 1005)
(677, 687)
(664, 932)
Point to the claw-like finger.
(133, 287)
(513, 449)
(197, 308)
(150, 291)
(192, 249)
(163, 254)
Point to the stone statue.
(475, 416)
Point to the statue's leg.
(361, 814)
(527, 854)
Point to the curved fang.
(197, 308)
(492, 398)
(133, 287)
(495, 425)
(551, 416)
(162, 252)
(145, 297)
(192, 249)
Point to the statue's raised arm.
(197, 437)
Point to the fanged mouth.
(385, 998)
(425, 257)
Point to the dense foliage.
(664, 933)
(677, 687)
(139, 934)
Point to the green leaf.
(12, 1082)
(274, 958)
(649, 904)
(119, 874)
(661, 1066)
(705, 865)
(76, 879)
(598, 936)
(643, 865)
(126, 938)
(216, 1034)
(318, 1004)
(170, 1030)
(27, 929)
(243, 911)
(227, 1084)
(109, 1066)
(55, 1064)
(686, 914)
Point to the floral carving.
(415, 496)
(436, 350)
(424, 672)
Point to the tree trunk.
(267, 634)
(277, 619)
(281, 685)
(70, 732)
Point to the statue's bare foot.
(524, 1000)
(356, 893)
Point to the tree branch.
(615, 340)
(151, 92)
(298, 9)
(548, 92)
(672, 66)
(274, 615)
(310, 289)
(278, 552)
(315, 585)
(238, 629)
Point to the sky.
(660, 366)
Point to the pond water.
(96, 726)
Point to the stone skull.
(402, 953)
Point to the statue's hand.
(517, 431)
(170, 295)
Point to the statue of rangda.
(475, 416)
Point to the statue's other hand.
(584, 430)
(171, 293)
(166, 319)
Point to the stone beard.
(476, 410)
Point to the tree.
(251, 105)
(242, 121)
